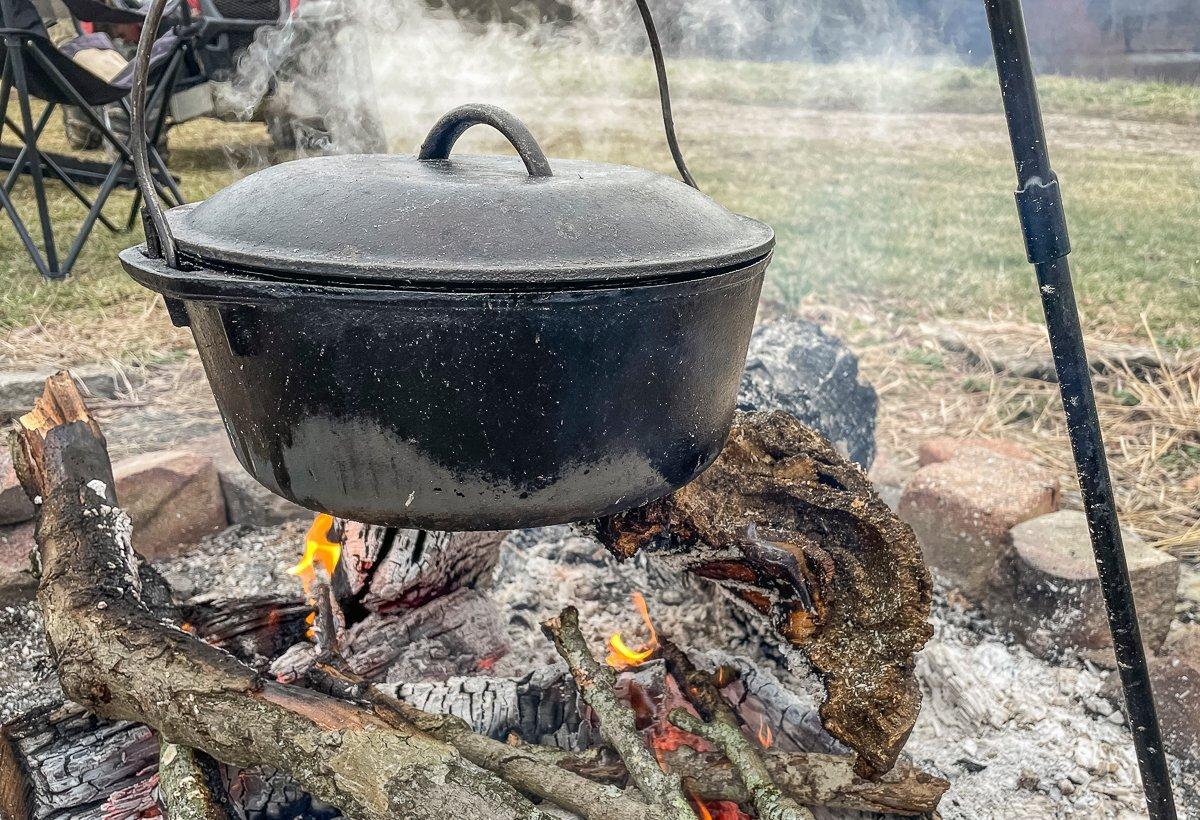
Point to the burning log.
(795, 532)
(119, 656)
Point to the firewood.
(794, 532)
(520, 766)
(719, 725)
(596, 682)
(189, 783)
(120, 656)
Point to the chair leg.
(85, 230)
(23, 234)
(55, 170)
(5, 92)
(17, 61)
(25, 149)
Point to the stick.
(720, 726)
(120, 656)
(190, 785)
(522, 767)
(616, 719)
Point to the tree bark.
(795, 532)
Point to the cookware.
(466, 342)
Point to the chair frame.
(20, 50)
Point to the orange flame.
(765, 735)
(620, 655)
(320, 549)
(702, 811)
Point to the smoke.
(380, 75)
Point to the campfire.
(390, 661)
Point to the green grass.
(906, 214)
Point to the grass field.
(899, 199)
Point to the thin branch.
(617, 727)
(721, 727)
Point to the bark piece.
(119, 657)
(795, 532)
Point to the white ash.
(1015, 735)
(238, 562)
(27, 678)
(542, 571)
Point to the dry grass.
(1151, 419)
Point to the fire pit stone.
(963, 509)
(15, 506)
(16, 578)
(944, 448)
(173, 497)
(1058, 589)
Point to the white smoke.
(395, 66)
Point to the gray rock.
(19, 388)
(795, 367)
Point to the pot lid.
(432, 220)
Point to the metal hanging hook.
(159, 240)
(664, 94)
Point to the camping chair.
(35, 67)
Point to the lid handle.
(449, 128)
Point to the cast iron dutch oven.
(474, 342)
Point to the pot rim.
(205, 282)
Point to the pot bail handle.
(449, 128)
(159, 241)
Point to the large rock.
(174, 499)
(963, 509)
(944, 448)
(15, 506)
(1176, 680)
(16, 570)
(795, 367)
(1058, 602)
(246, 501)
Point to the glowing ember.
(620, 655)
(319, 549)
(765, 735)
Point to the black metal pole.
(1043, 222)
